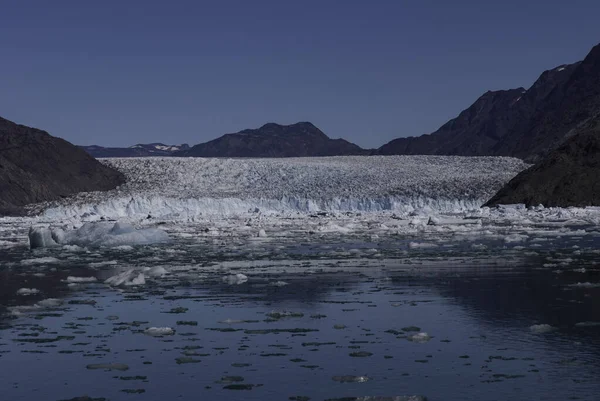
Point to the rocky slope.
(520, 123)
(568, 176)
(36, 167)
(274, 140)
(139, 150)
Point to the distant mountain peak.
(302, 139)
(517, 122)
(137, 150)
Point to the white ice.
(184, 188)
(159, 331)
(96, 234)
(27, 291)
(127, 278)
(541, 328)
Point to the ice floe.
(27, 291)
(73, 279)
(127, 278)
(96, 234)
(541, 328)
(159, 331)
(235, 279)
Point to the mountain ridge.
(37, 167)
(302, 139)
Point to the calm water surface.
(325, 334)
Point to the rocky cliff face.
(568, 176)
(474, 132)
(521, 123)
(37, 167)
(274, 140)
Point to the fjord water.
(329, 320)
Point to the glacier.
(185, 188)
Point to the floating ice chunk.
(585, 285)
(50, 303)
(108, 366)
(157, 271)
(39, 261)
(515, 238)
(73, 279)
(278, 283)
(232, 321)
(421, 245)
(104, 263)
(262, 233)
(159, 331)
(127, 278)
(587, 324)
(541, 328)
(97, 234)
(416, 222)
(419, 337)
(434, 221)
(234, 279)
(41, 237)
(72, 248)
(350, 379)
(27, 291)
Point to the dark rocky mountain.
(473, 133)
(139, 150)
(273, 140)
(520, 123)
(568, 176)
(37, 167)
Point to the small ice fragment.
(235, 279)
(72, 248)
(419, 337)
(278, 283)
(159, 331)
(50, 303)
(27, 291)
(350, 379)
(39, 261)
(262, 233)
(587, 324)
(585, 285)
(541, 328)
(157, 271)
(421, 245)
(128, 278)
(73, 279)
(108, 366)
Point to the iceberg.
(96, 234)
(126, 279)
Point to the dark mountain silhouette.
(568, 176)
(273, 140)
(516, 122)
(36, 167)
(139, 150)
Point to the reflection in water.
(332, 320)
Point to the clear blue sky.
(122, 72)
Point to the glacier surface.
(185, 188)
